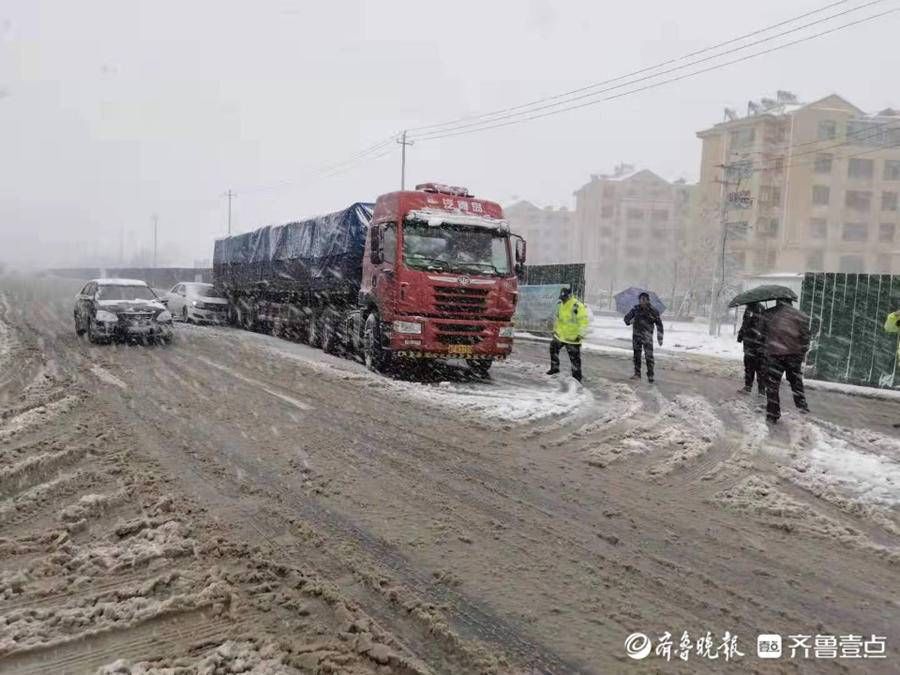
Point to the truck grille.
(460, 300)
(459, 333)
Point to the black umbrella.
(762, 294)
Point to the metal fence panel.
(847, 314)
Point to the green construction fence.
(847, 314)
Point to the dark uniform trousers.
(643, 342)
(790, 366)
(574, 352)
(755, 369)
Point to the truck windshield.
(455, 248)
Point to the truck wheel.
(93, 338)
(481, 367)
(79, 329)
(376, 357)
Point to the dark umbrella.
(629, 298)
(762, 294)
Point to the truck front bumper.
(470, 339)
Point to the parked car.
(194, 301)
(121, 309)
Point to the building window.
(815, 261)
(855, 232)
(883, 264)
(607, 211)
(892, 169)
(634, 252)
(609, 191)
(737, 230)
(779, 164)
(818, 228)
(767, 227)
(827, 130)
(606, 232)
(888, 201)
(859, 200)
(741, 138)
(635, 215)
(821, 195)
(823, 163)
(659, 216)
(862, 169)
(852, 264)
(887, 232)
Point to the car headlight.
(164, 317)
(409, 327)
(193, 303)
(105, 317)
(506, 332)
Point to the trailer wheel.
(329, 333)
(314, 330)
(377, 359)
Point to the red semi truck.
(429, 273)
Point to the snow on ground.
(679, 336)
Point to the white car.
(121, 309)
(194, 301)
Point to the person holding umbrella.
(643, 317)
(750, 335)
(569, 329)
(786, 338)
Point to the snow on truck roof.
(437, 217)
(120, 282)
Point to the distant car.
(121, 309)
(194, 301)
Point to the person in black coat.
(643, 318)
(751, 336)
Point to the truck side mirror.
(376, 252)
(521, 248)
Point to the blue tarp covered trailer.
(320, 255)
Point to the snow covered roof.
(120, 282)
(436, 218)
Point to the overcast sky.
(112, 111)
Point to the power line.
(529, 107)
(660, 83)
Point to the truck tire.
(376, 358)
(481, 367)
(79, 329)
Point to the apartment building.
(804, 187)
(630, 227)
(548, 231)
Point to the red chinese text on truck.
(426, 274)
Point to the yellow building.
(804, 187)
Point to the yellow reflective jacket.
(571, 321)
(892, 325)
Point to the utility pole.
(403, 143)
(155, 238)
(230, 194)
(737, 200)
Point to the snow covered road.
(274, 504)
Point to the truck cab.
(439, 278)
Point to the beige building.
(548, 231)
(804, 187)
(630, 229)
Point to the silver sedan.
(198, 302)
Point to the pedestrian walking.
(750, 335)
(892, 325)
(786, 340)
(569, 329)
(643, 318)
